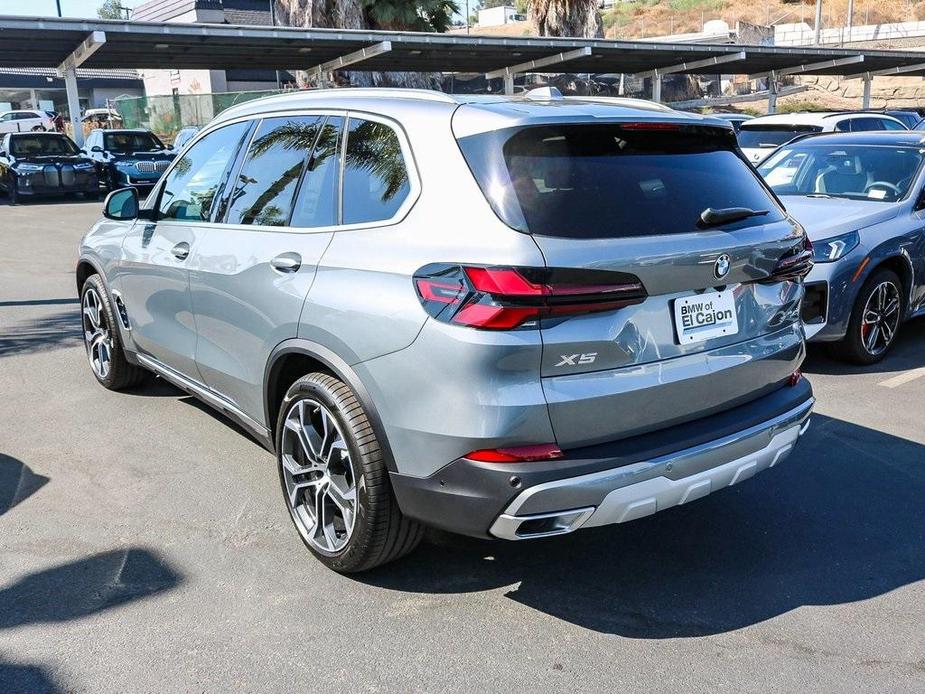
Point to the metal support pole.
(772, 92)
(850, 18)
(865, 102)
(73, 104)
(509, 83)
(818, 22)
(657, 87)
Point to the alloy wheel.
(319, 476)
(97, 335)
(880, 320)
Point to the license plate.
(703, 316)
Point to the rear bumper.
(612, 482)
(635, 491)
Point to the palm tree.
(416, 15)
(566, 18)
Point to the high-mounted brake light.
(649, 126)
(516, 454)
(505, 298)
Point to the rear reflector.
(796, 377)
(504, 298)
(517, 454)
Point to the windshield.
(41, 145)
(869, 172)
(131, 142)
(613, 180)
(755, 136)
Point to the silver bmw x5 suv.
(505, 317)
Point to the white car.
(761, 136)
(25, 121)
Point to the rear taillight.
(504, 298)
(795, 264)
(516, 454)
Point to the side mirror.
(2, 154)
(96, 148)
(121, 204)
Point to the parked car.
(736, 119)
(605, 326)
(25, 121)
(99, 117)
(185, 135)
(907, 117)
(761, 136)
(128, 157)
(44, 164)
(860, 197)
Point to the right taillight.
(505, 298)
(795, 264)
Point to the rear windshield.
(612, 180)
(756, 136)
(41, 145)
(131, 142)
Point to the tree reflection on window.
(375, 177)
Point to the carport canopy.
(68, 43)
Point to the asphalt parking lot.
(144, 547)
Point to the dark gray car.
(861, 198)
(506, 317)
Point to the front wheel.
(875, 319)
(102, 340)
(334, 480)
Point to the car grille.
(52, 176)
(151, 166)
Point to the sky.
(48, 8)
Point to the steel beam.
(811, 67)
(533, 65)
(68, 69)
(352, 58)
(694, 64)
(899, 70)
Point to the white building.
(500, 15)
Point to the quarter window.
(375, 175)
(190, 187)
(316, 202)
(266, 185)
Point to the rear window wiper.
(712, 217)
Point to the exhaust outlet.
(540, 525)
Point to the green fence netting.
(165, 115)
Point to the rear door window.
(266, 185)
(316, 201)
(611, 181)
(376, 181)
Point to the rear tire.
(331, 468)
(102, 339)
(875, 320)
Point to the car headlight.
(28, 168)
(122, 164)
(835, 248)
(83, 166)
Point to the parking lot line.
(903, 378)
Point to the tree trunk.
(578, 18)
(345, 14)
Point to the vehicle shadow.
(17, 482)
(841, 520)
(77, 589)
(908, 353)
(57, 331)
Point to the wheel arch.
(899, 262)
(292, 359)
(85, 268)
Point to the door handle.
(287, 262)
(180, 251)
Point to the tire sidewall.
(351, 554)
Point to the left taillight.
(507, 298)
(795, 264)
